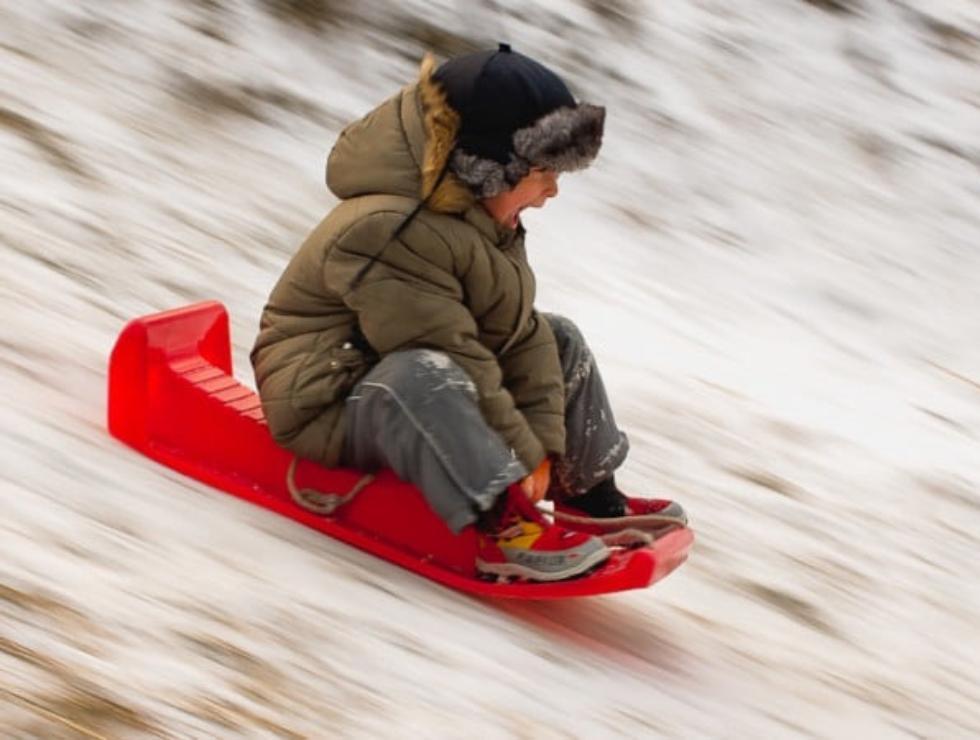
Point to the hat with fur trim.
(515, 114)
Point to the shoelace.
(523, 506)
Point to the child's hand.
(535, 486)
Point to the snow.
(775, 261)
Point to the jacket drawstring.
(401, 227)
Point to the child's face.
(532, 192)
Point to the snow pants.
(416, 412)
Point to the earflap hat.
(515, 114)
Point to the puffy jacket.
(452, 280)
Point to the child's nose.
(552, 184)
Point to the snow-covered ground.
(777, 260)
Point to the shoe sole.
(515, 570)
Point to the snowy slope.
(776, 260)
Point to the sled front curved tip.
(173, 397)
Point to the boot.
(607, 512)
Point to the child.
(403, 333)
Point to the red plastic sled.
(173, 397)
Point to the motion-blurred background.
(776, 259)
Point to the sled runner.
(173, 397)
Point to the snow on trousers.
(416, 412)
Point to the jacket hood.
(402, 148)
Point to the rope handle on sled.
(324, 503)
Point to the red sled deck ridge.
(173, 397)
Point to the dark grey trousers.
(416, 412)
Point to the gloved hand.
(535, 485)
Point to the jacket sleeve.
(533, 374)
(407, 300)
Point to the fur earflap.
(486, 177)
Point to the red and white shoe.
(619, 519)
(515, 540)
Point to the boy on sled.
(403, 333)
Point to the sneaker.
(619, 519)
(515, 540)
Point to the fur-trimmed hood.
(401, 148)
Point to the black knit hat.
(515, 114)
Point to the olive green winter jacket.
(453, 280)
